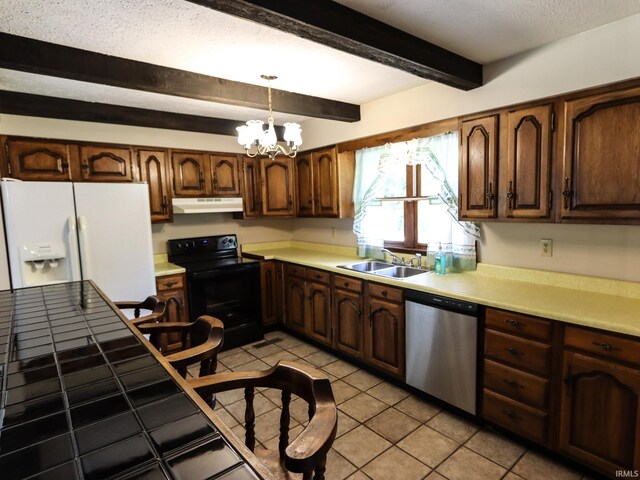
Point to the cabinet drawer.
(605, 344)
(295, 271)
(519, 352)
(169, 282)
(347, 283)
(317, 275)
(516, 384)
(388, 293)
(518, 418)
(519, 324)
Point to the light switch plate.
(546, 247)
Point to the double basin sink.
(385, 269)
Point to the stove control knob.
(225, 240)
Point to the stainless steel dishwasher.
(441, 342)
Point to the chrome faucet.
(418, 260)
(395, 259)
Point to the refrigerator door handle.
(84, 248)
(72, 242)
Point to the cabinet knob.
(513, 351)
(513, 323)
(171, 284)
(346, 284)
(383, 293)
(510, 195)
(566, 193)
(512, 383)
(606, 347)
(490, 196)
(510, 413)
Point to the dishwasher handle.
(443, 303)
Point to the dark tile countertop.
(84, 398)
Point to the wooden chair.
(157, 307)
(201, 342)
(307, 453)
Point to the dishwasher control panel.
(445, 303)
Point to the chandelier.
(258, 141)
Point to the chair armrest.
(162, 327)
(194, 354)
(126, 305)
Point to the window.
(407, 192)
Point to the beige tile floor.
(384, 432)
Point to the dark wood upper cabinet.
(278, 187)
(305, 178)
(106, 164)
(479, 168)
(526, 192)
(32, 159)
(325, 165)
(189, 179)
(153, 170)
(601, 159)
(252, 188)
(225, 176)
(324, 181)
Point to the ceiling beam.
(334, 25)
(43, 58)
(16, 103)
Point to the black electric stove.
(221, 284)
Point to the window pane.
(434, 222)
(395, 184)
(385, 221)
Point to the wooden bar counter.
(86, 397)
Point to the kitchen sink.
(398, 271)
(384, 269)
(367, 267)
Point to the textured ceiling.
(180, 34)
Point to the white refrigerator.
(59, 231)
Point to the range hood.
(207, 205)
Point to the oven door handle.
(216, 272)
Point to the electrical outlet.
(546, 247)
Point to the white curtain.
(438, 224)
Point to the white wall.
(199, 225)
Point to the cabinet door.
(319, 312)
(176, 312)
(152, 167)
(269, 292)
(224, 174)
(280, 293)
(528, 192)
(252, 191)
(40, 160)
(600, 416)
(347, 317)
(325, 174)
(384, 336)
(278, 188)
(189, 174)
(601, 162)
(106, 164)
(304, 177)
(479, 168)
(296, 301)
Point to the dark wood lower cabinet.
(171, 289)
(599, 421)
(319, 311)
(296, 302)
(384, 342)
(268, 283)
(347, 317)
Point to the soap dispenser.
(441, 261)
